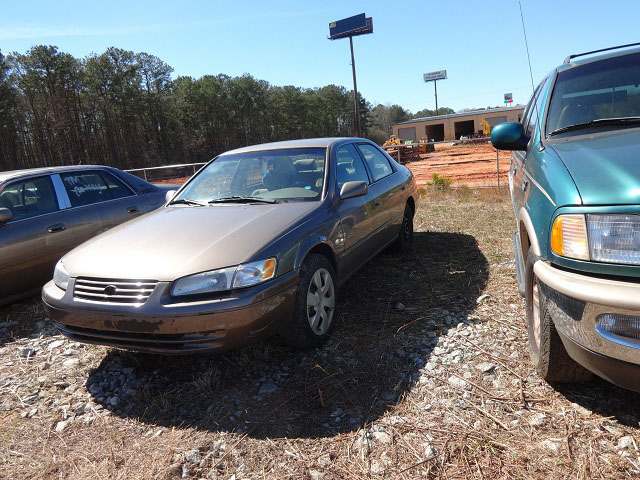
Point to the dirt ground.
(473, 165)
(426, 376)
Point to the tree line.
(124, 109)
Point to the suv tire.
(548, 355)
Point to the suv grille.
(106, 290)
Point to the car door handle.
(376, 204)
(56, 228)
(133, 209)
(404, 187)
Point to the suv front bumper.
(574, 302)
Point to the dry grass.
(379, 371)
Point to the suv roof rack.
(568, 59)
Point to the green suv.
(575, 184)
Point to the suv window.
(378, 163)
(85, 188)
(29, 198)
(598, 90)
(349, 166)
(117, 188)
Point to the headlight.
(206, 282)
(254, 273)
(569, 237)
(61, 276)
(244, 275)
(614, 238)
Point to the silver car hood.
(175, 241)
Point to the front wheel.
(315, 308)
(548, 355)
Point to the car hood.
(175, 241)
(605, 168)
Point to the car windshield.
(594, 92)
(287, 174)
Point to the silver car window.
(29, 198)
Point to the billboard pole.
(355, 89)
(350, 27)
(435, 89)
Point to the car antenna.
(533, 88)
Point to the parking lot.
(426, 376)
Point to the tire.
(309, 327)
(548, 355)
(404, 242)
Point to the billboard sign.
(351, 26)
(508, 97)
(431, 76)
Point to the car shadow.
(605, 399)
(390, 317)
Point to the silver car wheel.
(321, 301)
(536, 313)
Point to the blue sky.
(480, 44)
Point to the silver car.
(46, 212)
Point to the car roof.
(596, 58)
(45, 171)
(304, 143)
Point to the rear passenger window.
(85, 188)
(378, 163)
(29, 198)
(117, 188)
(349, 166)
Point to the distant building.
(456, 125)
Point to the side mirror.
(169, 195)
(509, 136)
(5, 215)
(353, 189)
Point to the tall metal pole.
(435, 88)
(355, 89)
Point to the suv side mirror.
(353, 189)
(509, 136)
(169, 195)
(5, 215)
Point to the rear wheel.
(548, 355)
(315, 308)
(404, 241)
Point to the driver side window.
(349, 166)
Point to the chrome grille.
(108, 290)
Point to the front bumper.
(169, 325)
(575, 301)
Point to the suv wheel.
(315, 308)
(548, 355)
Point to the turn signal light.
(569, 237)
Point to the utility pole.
(355, 90)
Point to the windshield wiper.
(597, 122)
(240, 199)
(186, 201)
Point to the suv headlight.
(601, 238)
(61, 276)
(244, 275)
(614, 238)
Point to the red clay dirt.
(473, 165)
